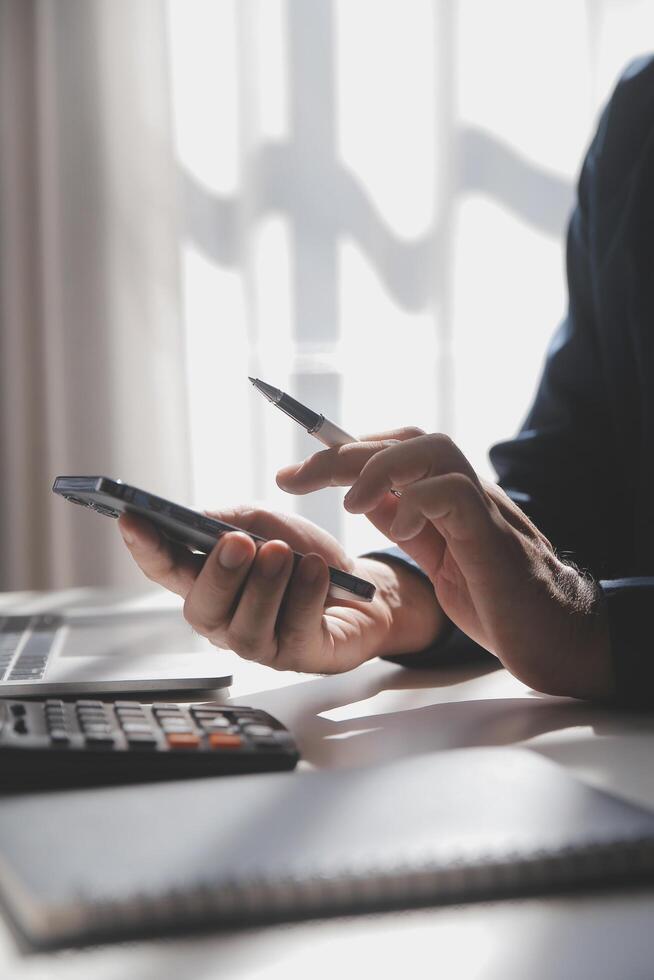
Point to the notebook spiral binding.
(257, 901)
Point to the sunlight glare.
(271, 19)
(515, 62)
(385, 107)
(523, 285)
(203, 65)
(219, 394)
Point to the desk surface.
(380, 712)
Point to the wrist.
(570, 654)
(405, 608)
(592, 669)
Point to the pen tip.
(253, 380)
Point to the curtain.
(91, 347)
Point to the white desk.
(380, 712)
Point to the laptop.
(103, 641)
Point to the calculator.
(52, 742)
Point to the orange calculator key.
(221, 740)
(182, 740)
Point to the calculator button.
(178, 730)
(56, 722)
(98, 739)
(165, 707)
(257, 731)
(141, 741)
(221, 740)
(54, 703)
(182, 740)
(96, 718)
(96, 729)
(135, 728)
(59, 735)
(89, 704)
(20, 726)
(130, 705)
(17, 710)
(214, 724)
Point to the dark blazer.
(582, 465)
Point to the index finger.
(340, 466)
(168, 564)
(402, 464)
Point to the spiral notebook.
(95, 865)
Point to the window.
(373, 199)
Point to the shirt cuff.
(629, 603)
(452, 645)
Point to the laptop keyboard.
(32, 658)
(10, 637)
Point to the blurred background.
(360, 201)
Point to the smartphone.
(180, 524)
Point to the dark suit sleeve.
(574, 465)
(453, 646)
(565, 467)
(550, 467)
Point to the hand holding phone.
(282, 619)
(278, 616)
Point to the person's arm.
(573, 467)
(576, 465)
(492, 570)
(447, 645)
(559, 468)
(267, 607)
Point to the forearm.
(577, 660)
(579, 663)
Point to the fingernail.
(232, 553)
(271, 562)
(128, 537)
(350, 500)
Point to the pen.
(315, 423)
